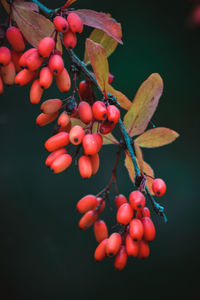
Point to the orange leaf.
(68, 3)
(99, 62)
(139, 156)
(130, 167)
(33, 26)
(121, 98)
(144, 105)
(157, 137)
(100, 37)
(150, 176)
(101, 21)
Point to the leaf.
(67, 4)
(157, 137)
(150, 176)
(7, 6)
(101, 21)
(144, 105)
(76, 121)
(139, 156)
(130, 167)
(33, 26)
(99, 62)
(100, 37)
(121, 98)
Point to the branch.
(43, 8)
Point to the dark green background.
(43, 255)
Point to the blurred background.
(43, 254)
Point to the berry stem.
(157, 207)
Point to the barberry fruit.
(61, 163)
(113, 114)
(57, 141)
(144, 250)
(100, 231)
(99, 111)
(56, 64)
(85, 112)
(76, 135)
(136, 230)
(46, 46)
(86, 203)
(100, 251)
(121, 259)
(51, 106)
(55, 155)
(137, 200)
(120, 200)
(124, 214)
(85, 166)
(46, 78)
(90, 144)
(44, 119)
(113, 244)
(87, 220)
(69, 39)
(159, 187)
(75, 23)
(15, 38)
(36, 92)
(8, 74)
(5, 56)
(132, 247)
(149, 229)
(95, 163)
(61, 24)
(63, 81)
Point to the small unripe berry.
(44, 119)
(56, 64)
(159, 187)
(132, 247)
(95, 163)
(106, 127)
(85, 166)
(87, 220)
(57, 141)
(136, 230)
(100, 251)
(100, 231)
(86, 203)
(46, 46)
(113, 244)
(24, 77)
(36, 92)
(8, 74)
(76, 135)
(61, 24)
(34, 61)
(46, 78)
(5, 56)
(25, 55)
(124, 214)
(63, 81)
(99, 111)
(85, 112)
(51, 106)
(61, 163)
(149, 229)
(15, 38)
(113, 114)
(55, 155)
(63, 119)
(121, 259)
(90, 144)
(69, 39)
(120, 200)
(99, 140)
(137, 200)
(75, 23)
(144, 250)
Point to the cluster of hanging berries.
(136, 227)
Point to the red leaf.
(101, 21)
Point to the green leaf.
(157, 137)
(100, 37)
(144, 105)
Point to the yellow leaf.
(130, 167)
(150, 176)
(144, 105)
(99, 62)
(157, 137)
(100, 37)
(78, 122)
(121, 98)
(139, 156)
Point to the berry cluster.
(133, 217)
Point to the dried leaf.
(157, 137)
(101, 21)
(68, 3)
(100, 37)
(150, 176)
(121, 98)
(28, 5)
(139, 156)
(144, 105)
(99, 62)
(33, 26)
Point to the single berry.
(61, 163)
(63, 119)
(121, 259)
(63, 81)
(90, 144)
(95, 163)
(8, 74)
(100, 231)
(159, 187)
(34, 61)
(51, 106)
(76, 135)
(57, 141)
(106, 127)
(46, 46)
(56, 64)
(120, 200)
(46, 78)
(5, 56)
(85, 90)
(87, 220)
(136, 230)
(144, 250)
(44, 119)
(86, 203)
(99, 140)
(113, 114)
(85, 166)
(24, 77)
(137, 200)
(149, 229)
(69, 39)
(15, 38)
(61, 24)
(75, 23)
(99, 111)
(124, 214)
(25, 55)
(113, 244)
(36, 92)
(100, 251)
(132, 247)
(15, 56)
(85, 112)
(54, 155)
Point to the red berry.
(85, 90)
(51, 106)
(87, 220)
(61, 163)
(99, 111)
(46, 78)
(55, 155)
(76, 135)
(132, 247)
(63, 81)
(124, 214)
(100, 231)
(146, 212)
(111, 78)
(5, 56)
(8, 74)
(56, 64)
(34, 61)
(15, 38)
(25, 55)
(137, 200)
(46, 46)
(159, 187)
(144, 250)
(136, 230)
(44, 119)
(85, 112)
(119, 200)
(100, 251)
(57, 141)
(24, 77)
(106, 127)
(36, 92)
(113, 244)
(149, 229)
(85, 166)
(86, 203)
(95, 163)
(63, 119)
(60, 24)
(90, 144)
(121, 259)
(69, 39)
(15, 56)
(99, 140)
(75, 23)
(113, 114)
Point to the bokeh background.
(43, 255)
